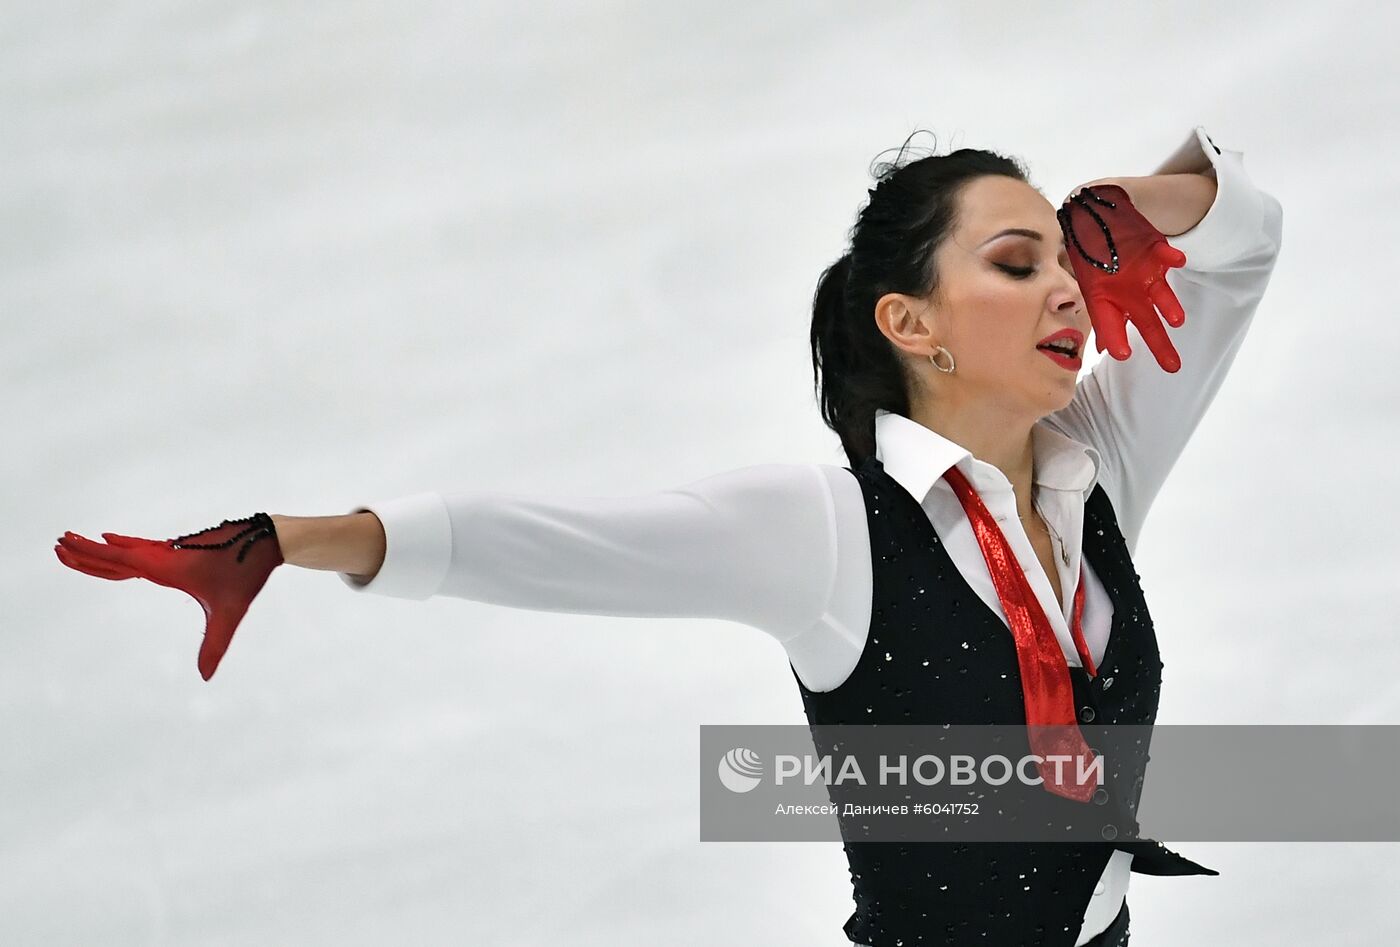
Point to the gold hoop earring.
(952, 364)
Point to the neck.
(994, 437)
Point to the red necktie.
(1046, 687)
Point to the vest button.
(1086, 714)
(1099, 888)
(1110, 832)
(1100, 796)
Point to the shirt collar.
(917, 456)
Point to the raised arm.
(755, 545)
(1140, 417)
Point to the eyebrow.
(1019, 232)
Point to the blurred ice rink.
(294, 257)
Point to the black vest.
(957, 665)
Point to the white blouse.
(785, 548)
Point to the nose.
(1075, 313)
(1071, 279)
(1072, 305)
(1076, 296)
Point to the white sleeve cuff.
(418, 547)
(1234, 225)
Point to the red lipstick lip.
(1073, 335)
(1064, 361)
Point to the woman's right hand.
(223, 568)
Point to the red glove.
(223, 571)
(1121, 262)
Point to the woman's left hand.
(1172, 203)
(1118, 181)
(1120, 260)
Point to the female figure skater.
(972, 564)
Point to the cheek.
(998, 321)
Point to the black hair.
(912, 209)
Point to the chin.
(1058, 398)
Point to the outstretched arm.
(1139, 417)
(352, 543)
(755, 545)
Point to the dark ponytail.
(911, 211)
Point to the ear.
(898, 321)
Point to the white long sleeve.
(755, 545)
(1140, 417)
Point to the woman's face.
(1001, 296)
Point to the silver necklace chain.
(1064, 551)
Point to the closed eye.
(1024, 272)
